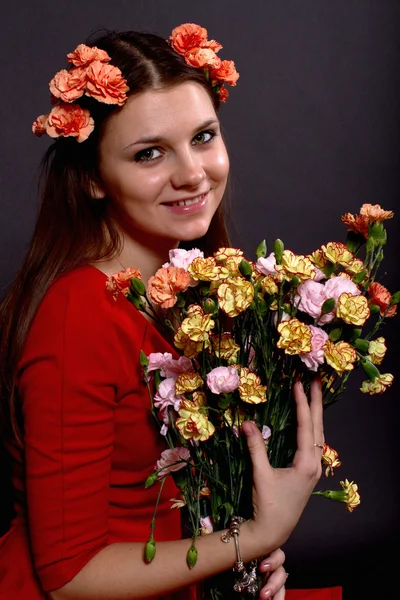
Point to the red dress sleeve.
(70, 378)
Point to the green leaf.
(335, 334)
(377, 234)
(395, 299)
(358, 277)
(261, 250)
(224, 401)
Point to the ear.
(96, 190)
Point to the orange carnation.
(202, 58)
(381, 297)
(68, 86)
(121, 281)
(188, 36)
(223, 94)
(39, 126)
(69, 120)
(356, 223)
(83, 55)
(226, 72)
(106, 84)
(164, 286)
(375, 213)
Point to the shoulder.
(78, 303)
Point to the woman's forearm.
(118, 572)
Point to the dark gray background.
(313, 131)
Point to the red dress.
(90, 440)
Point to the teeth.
(187, 202)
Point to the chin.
(194, 233)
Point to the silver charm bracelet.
(248, 580)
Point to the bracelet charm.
(248, 580)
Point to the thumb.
(256, 445)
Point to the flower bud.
(377, 234)
(358, 277)
(245, 268)
(371, 371)
(224, 401)
(150, 480)
(144, 361)
(355, 334)
(150, 549)
(362, 345)
(374, 308)
(335, 334)
(136, 301)
(278, 250)
(328, 306)
(137, 286)
(370, 245)
(262, 307)
(209, 306)
(261, 250)
(192, 556)
(295, 281)
(180, 478)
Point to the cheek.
(220, 165)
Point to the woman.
(139, 165)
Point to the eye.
(204, 137)
(147, 155)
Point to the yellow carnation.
(197, 325)
(353, 497)
(188, 382)
(193, 424)
(353, 310)
(330, 458)
(378, 386)
(235, 295)
(355, 266)
(340, 356)
(293, 265)
(206, 269)
(222, 255)
(336, 252)
(318, 258)
(295, 337)
(377, 350)
(224, 346)
(189, 347)
(250, 388)
(268, 285)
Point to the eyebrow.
(158, 139)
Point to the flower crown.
(92, 75)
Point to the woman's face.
(163, 163)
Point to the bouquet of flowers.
(244, 332)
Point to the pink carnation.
(336, 286)
(206, 525)
(170, 367)
(183, 258)
(166, 395)
(310, 297)
(171, 460)
(223, 380)
(313, 359)
(267, 265)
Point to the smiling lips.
(189, 206)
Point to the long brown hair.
(72, 229)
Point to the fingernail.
(265, 566)
(268, 593)
(248, 427)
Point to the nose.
(188, 171)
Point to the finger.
(273, 561)
(274, 585)
(316, 409)
(257, 449)
(305, 430)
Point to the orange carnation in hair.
(164, 286)
(83, 55)
(202, 58)
(188, 36)
(39, 126)
(381, 297)
(106, 84)
(226, 72)
(69, 120)
(356, 223)
(68, 86)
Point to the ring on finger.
(286, 575)
(319, 446)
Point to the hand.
(275, 578)
(280, 495)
